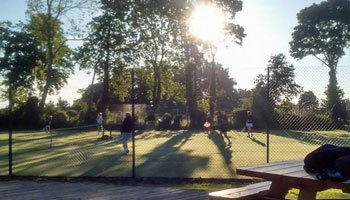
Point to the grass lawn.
(193, 154)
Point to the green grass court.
(182, 153)
(191, 154)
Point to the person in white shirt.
(99, 120)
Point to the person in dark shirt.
(222, 125)
(48, 124)
(126, 129)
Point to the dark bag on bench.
(329, 162)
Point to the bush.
(165, 122)
(150, 117)
(60, 119)
(177, 122)
(199, 119)
(304, 122)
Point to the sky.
(268, 25)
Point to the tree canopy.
(323, 31)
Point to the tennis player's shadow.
(258, 142)
(219, 141)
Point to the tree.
(46, 17)
(29, 114)
(159, 47)
(20, 54)
(308, 101)
(282, 83)
(232, 31)
(54, 71)
(282, 88)
(245, 99)
(107, 48)
(226, 94)
(323, 31)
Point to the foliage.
(282, 88)
(120, 85)
(28, 115)
(81, 109)
(158, 46)
(19, 55)
(54, 71)
(165, 122)
(282, 83)
(323, 31)
(245, 98)
(108, 49)
(60, 119)
(305, 121)
(150, 117)
(226, 94)
(308, 101)
(176, 124)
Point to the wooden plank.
(292, 174)
(267, 165)
(273, 168)
(13, 190)
(246, 192)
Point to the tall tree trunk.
(156, 76)
(106, 78)
(105, 85)
(212, 89)
(87, 117)
(190, 94)
(333, 98)
(49, 58)
(159, 86)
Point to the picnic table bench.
(284, 176)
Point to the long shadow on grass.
(313, 138)
(224, 149)
(169, 160)
(258, 142)
(74, 157)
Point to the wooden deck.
(20, 190)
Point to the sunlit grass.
(158, 153)
(169, 154)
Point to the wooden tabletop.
(291, 174)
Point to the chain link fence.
(285, 127)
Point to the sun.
(207, 23)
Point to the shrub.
(165, 122)
(177, 122)
(60, 119)
(150, 117)
(199, 119)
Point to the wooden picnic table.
(291, 174)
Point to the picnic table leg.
(307, 193)
(346, 190)
(278, 190)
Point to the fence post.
(10, 130)
(133, 119)
(268, 118)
